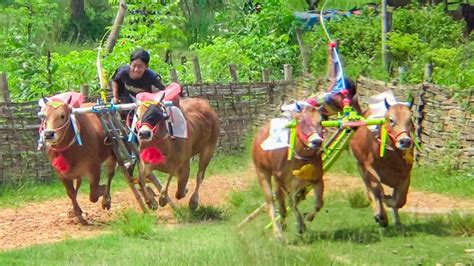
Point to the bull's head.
(309, 129)
(399, 126)
(151, 120)
(56, 120)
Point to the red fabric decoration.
(152, 155)
(60, 164)
(312, 102)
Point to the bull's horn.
(68, 102)
(387, 105)
(162, 97)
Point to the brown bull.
(203, 132)
(275, 163)
(72, 161)
(393, 169)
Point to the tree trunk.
(77, 10)
(114, 33)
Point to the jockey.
(339, 88)
(131, 79)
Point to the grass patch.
(357, 199)
(17, 195)
(201, 214)
(432, 178)
(339, 235)
(133, 224)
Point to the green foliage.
(134, 224)
(357, 199)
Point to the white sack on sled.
(278, 136)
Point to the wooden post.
(114, 33)
(4, 92)
(85, 91)
(386, 18)
(197, 70)
(233, 72)
(303, 52)
(428, 72)
(266, 74)
(287, 72)
(173, 75)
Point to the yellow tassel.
(306, 172)
(408, 156)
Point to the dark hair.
(141, 54)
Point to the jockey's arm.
(115, 91)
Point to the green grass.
(18, 195)
(15, 196)
(201, 214)
(339, 235)
(432, 178)
(427, 178)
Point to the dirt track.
(47, 221)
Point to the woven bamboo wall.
(446, 129)
(19, 159)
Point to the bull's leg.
(107, 199)
(183, 177)
(96, 190)
(371, 179)
(147, 194)
(164, 192)
(280, 196)
(72, 193)
(318, 190)
(264, 180)
(204, 159)
(398, 199)
(300, 226)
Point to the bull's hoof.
(381, 220)
(153, 205)
(71, 213)
(82, 221)
(301, 229)
(194, 203)
(163, 201)
(106, 202)
(310, 216)
(179, 195)
(283, 225)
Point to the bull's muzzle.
(315, 141)
(145, 134)
(49, 135)
(404, 143)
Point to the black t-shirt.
(129, 86)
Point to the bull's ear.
(42, 102)
(387, 105)
(162, 97)
(410, 100)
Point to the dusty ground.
(47, 221)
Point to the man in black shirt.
(131, 79)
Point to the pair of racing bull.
(77, 146)
(393, 169)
